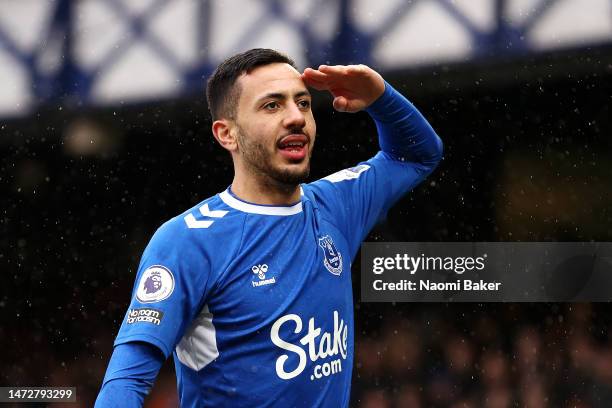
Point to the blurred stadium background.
(105, 134)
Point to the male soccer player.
(250, 290)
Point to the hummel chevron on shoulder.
(347, 174)
(191, 221)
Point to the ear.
(222, 131)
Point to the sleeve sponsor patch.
(347, 174)
(145, 316)
(156, 284)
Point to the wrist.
(380, 107)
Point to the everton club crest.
(332, 259)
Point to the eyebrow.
(282, 96)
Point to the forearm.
(123, 392)
(130, 375)
(403, 132)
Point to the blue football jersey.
(255, 302)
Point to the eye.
(271, 105)
(305, 104)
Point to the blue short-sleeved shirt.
(255, 302)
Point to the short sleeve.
(171, 287)
(358, 197)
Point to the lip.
(295, 153)
(293, 138)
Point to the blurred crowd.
(493, 356)
(407, 355)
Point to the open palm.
(354, 87)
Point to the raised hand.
(354, 87)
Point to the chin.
(291, 175)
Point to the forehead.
(272, 78)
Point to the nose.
(295, 117)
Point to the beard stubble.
(258, 160)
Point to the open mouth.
(293, 147)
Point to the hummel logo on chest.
(260, 271)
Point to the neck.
(264, 190)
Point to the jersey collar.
(231, 200)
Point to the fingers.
(315, 79)
(344, 104)
(313, 73)
(340, 104)
(326, 77)
(349, 84)
(329, 72)
(343, 69)
(313, 83)
(333, 69)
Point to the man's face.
(275, 129)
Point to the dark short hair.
(222, 93)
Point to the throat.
(265, 191)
